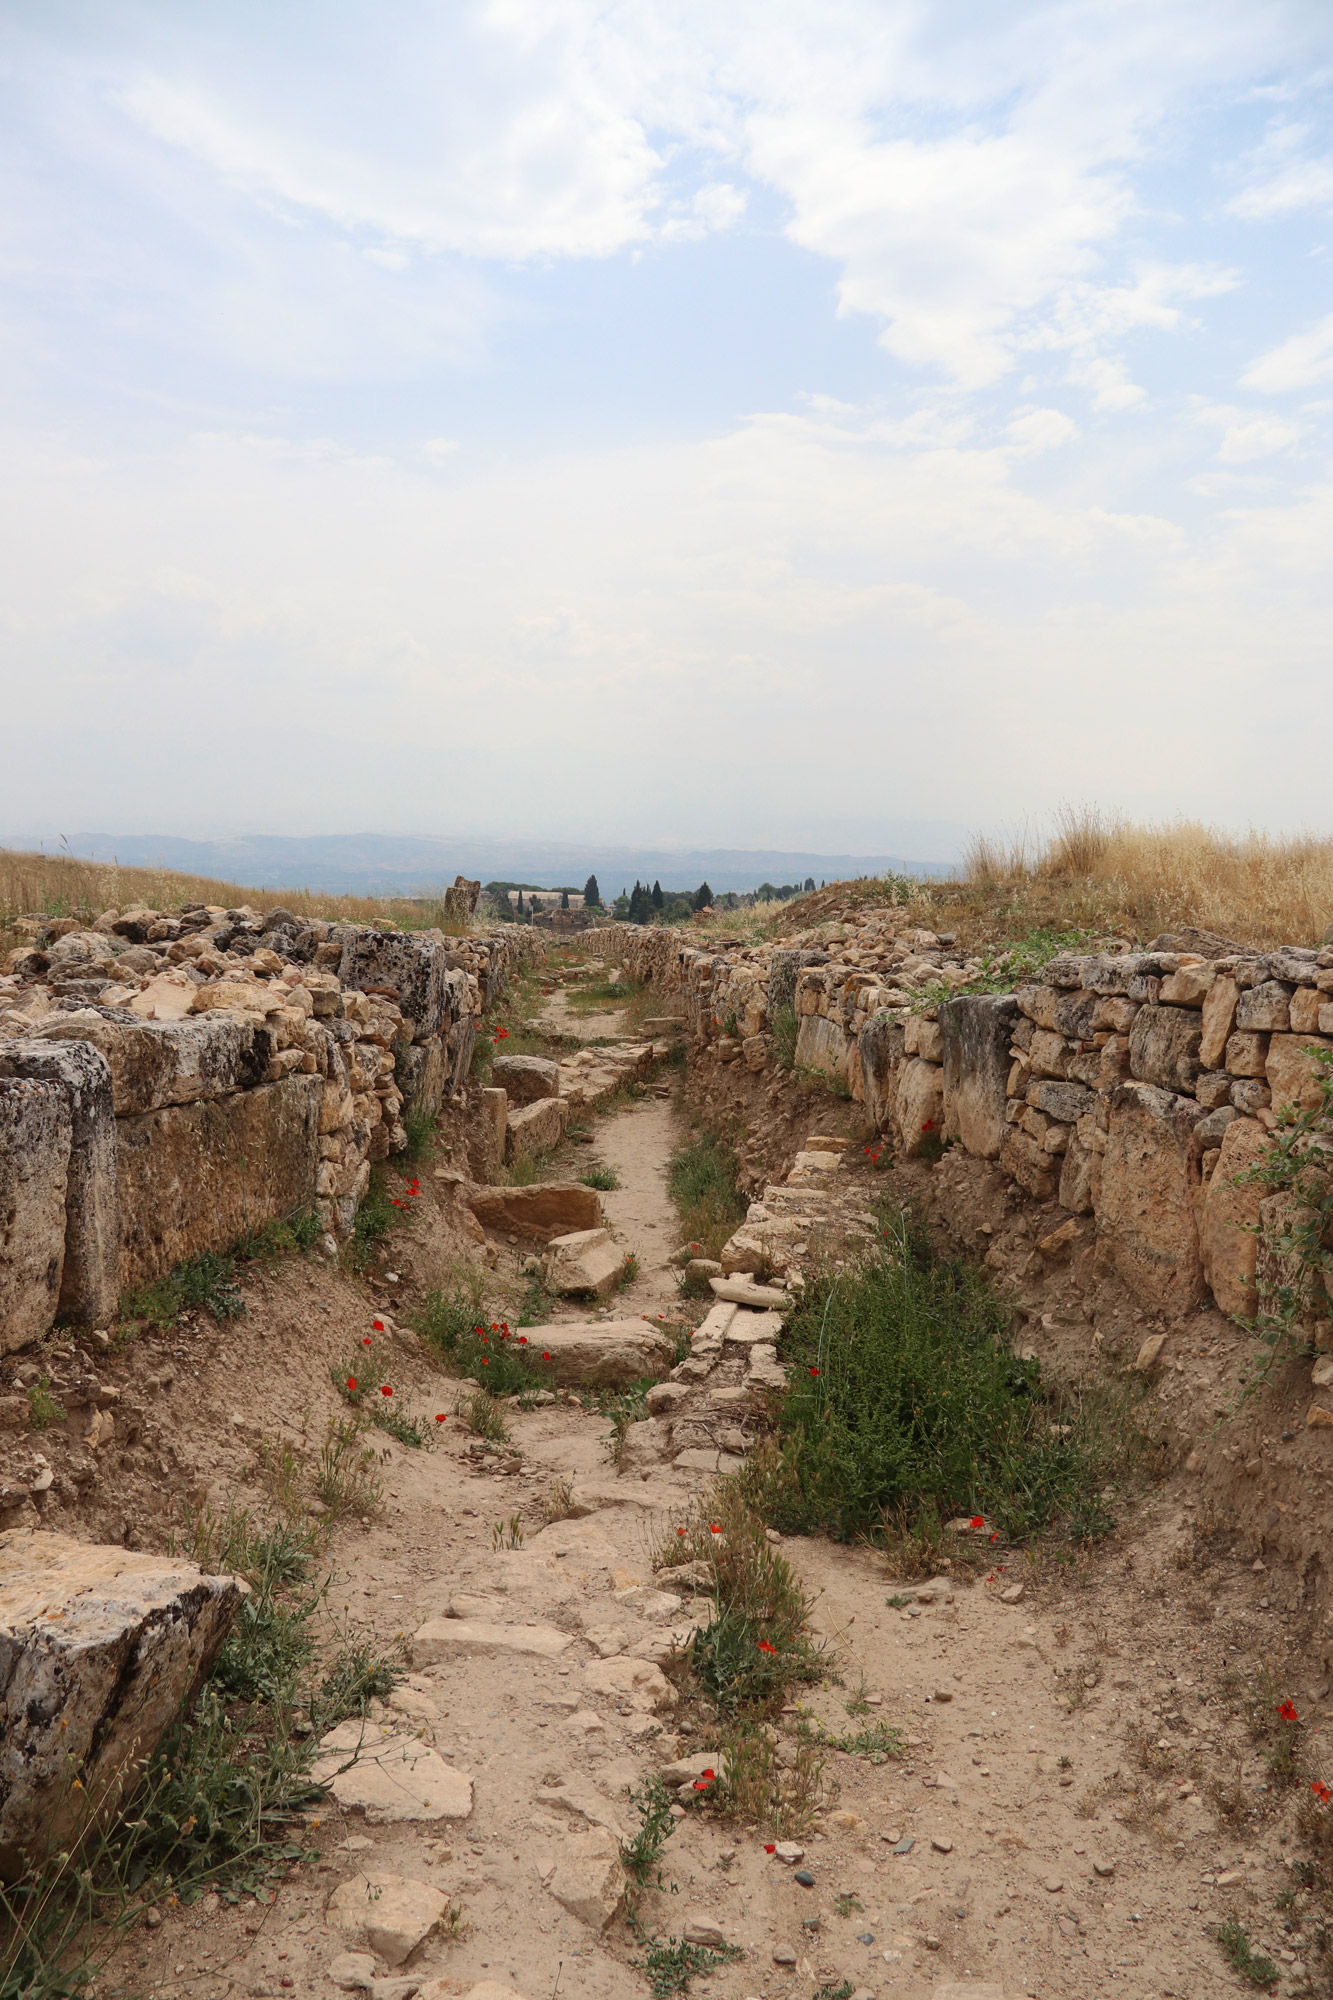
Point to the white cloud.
(1259, 438)
(1284, 177)
(1041, 430)
(1299, 363)
(440, 450)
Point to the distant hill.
(375, 864)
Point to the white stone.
(456, 1638)
(585, 1261)
(390, 1776)
(392, 1913)
(644, 1686)
(588, 1880)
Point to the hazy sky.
(746, 423)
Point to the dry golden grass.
(57, 885)
(1113, 878)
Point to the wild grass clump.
(784, 1029)
(907, 1406)
(756, 1645)
(702, 1180)
(491, 1352)
(604, 1179)
(207, 1283)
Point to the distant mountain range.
(377, 864)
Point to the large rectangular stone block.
(154, 1063)
(821, 1044)
(193, 1177)
(880, 1048)
(411, 969)
(88, 1289)
(1229, 1219)
(976, 1030)
(1164, 1047)
(1146, 1230)
(36, 1134)
(1294, 1073)
(100, 1649)
(536, 1128)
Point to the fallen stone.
(36, 1137)
(703, 1459)
(392, 1913)
(789, 1852)
(458, 1638)
(101, 1649)
(736, 1291)
(783, 1955)
(663, 1398)
(354, 1971)
(601, 1353)
(941, 1843)
(389, 1776)
(705, 1931)
(525, 1079)
(547, 1209)
(1318, 1418)
(536, 1128)
(1053, 1884)
(966, 1989)
(1103, 1867)
(588, 1880)
(586, 1261)
(644, 1686)
(684, 1770)
(1149, 1353)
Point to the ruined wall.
(1131, 1086)
(167, 1082)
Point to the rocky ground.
(1085, 1775)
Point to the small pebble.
(805, 1878)
(944, 1694)
(941, 1843)
(1054, 1884)
(905, 1845)
(783, 1955)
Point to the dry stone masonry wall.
(168, 1081)
(1130, 1086)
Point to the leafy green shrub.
(906, 1405)
(640, 1855)
(755, 1647)
(374, 1219)
(702, 1181)
(43, 1408)
(1240, 1955)
(503, 1360)
(207, 1283)
(601, 1178)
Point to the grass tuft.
(702, 1179)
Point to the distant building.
(544, 899)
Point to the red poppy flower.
(351, 1383)
(929, 1125)
(385, 1390)
(504, 1326)
(365, 1338)
(814, 1371)
(708, 1774)
(764, 1647)
(977, 1521)
(715, 1527)
(1288, 1712)
(995, 1537)
(495, 1326)
(378, 1325)
(485, 1360)
(439, 1417)
(1321, 1791)
(522, 1340)
(546, 1357)
(770, 1847)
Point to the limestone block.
(1164, 1047)
(36, 1137)
(391, 1913)
(1048, 1053)
(1146, 1229)
(1067, 1102)
(526, 1078)
(920, 1105)
(193, 1176)
(423, 1073)
(154, 1063)
(588, 1879)
(100, 1649)
(585, 1261)
(1080, 1179)
(1280, 1268)
(480, 1638)
(1293, 1072)
(547, 1209)
(1038, 1003)
(923, 1038)
(1247, 1054)
(975, 1034)
(1265, 1008)
(601, 1353)
(1189, 986)
(1227, 1242)
(644, 1686)
(389, 1776)
(740, 1291)
(880, 1050)
(536, 1128)
(821, 1044)
(1026, 1160)
(412, 966)
(88, 1290)
(1218, 1019)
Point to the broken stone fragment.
(390, 1776)
(585, 1262)
(588, 1880)
(391, 1913)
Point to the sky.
(766, 424)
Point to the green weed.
(485, 1418)
(374, 1219)
(601, 1178)
(640, 1855)
(43, 1408)
(1236, 1949)
(702, 1181)
(207, 1283)
(784, 1029)
(669, 1964)
(345, 1478)
(907, 1406)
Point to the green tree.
(564, 899)
(520, 902)
(657, 895)
(703, 896)
(809, 884)
(592, 895)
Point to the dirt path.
(1049, 1824)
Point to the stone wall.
(167, 1082)
(1130, 1086)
